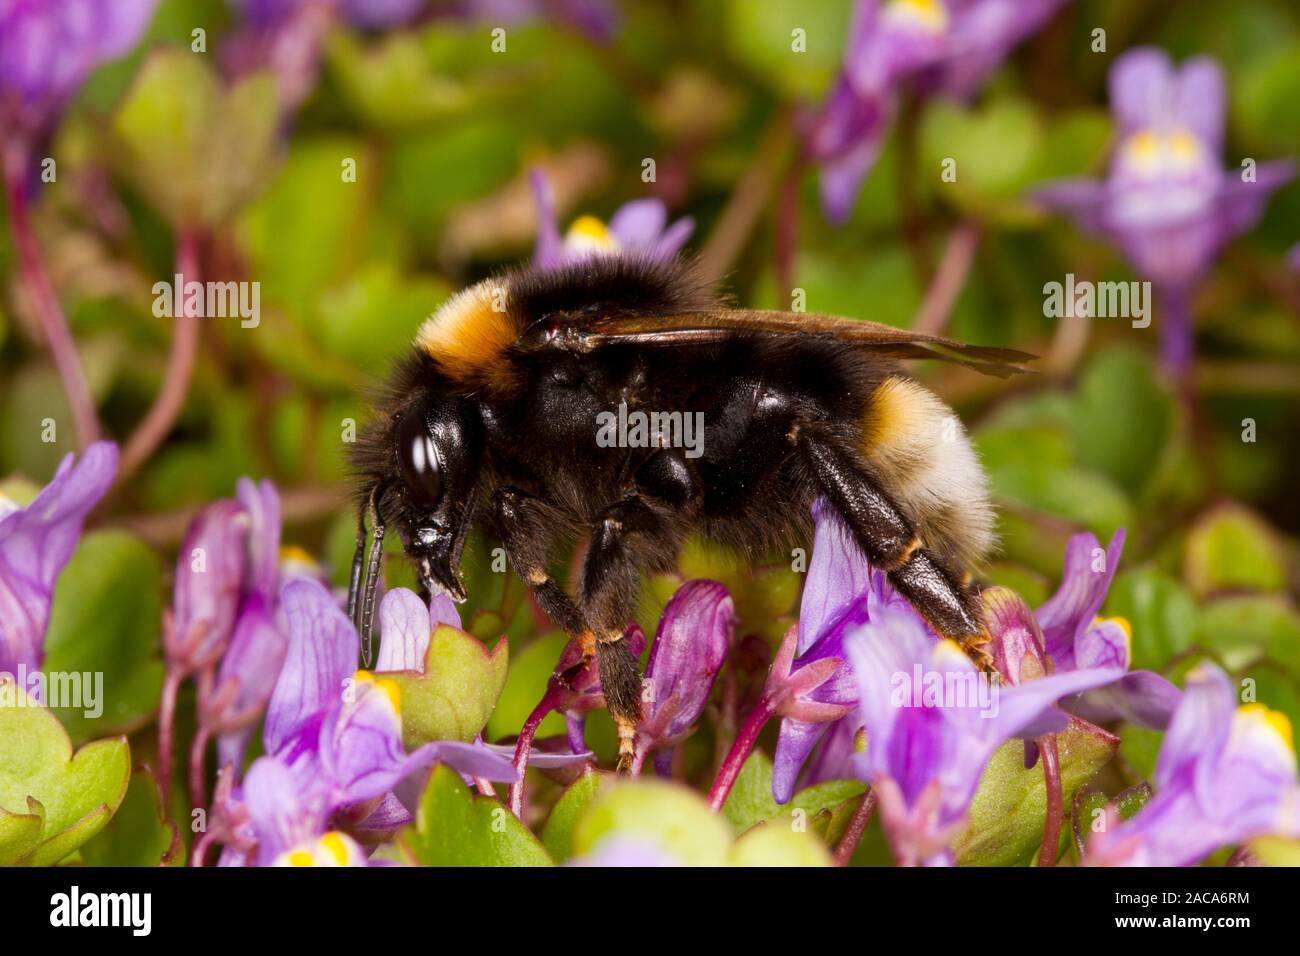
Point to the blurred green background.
(443, 132)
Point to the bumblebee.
(492, 420)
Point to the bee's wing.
(698, 328)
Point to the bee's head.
(437, 447)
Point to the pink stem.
(741, 747)
(848, 844)
(198, 753)
(484, 786)
(1055, 809)
(160, 418)
(525, 744)
(948, 281)
(166, 720)
(54, 326)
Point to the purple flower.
(693, 639)
(1075, 639)
(582, 693)
(210, 573)
(625, 851)
(596, 19)
(638, 228)
(1166, 203)
(49, 47)
(932, 723)
(366, 14)
(1225, 775)
(405, 625)
(946, 46)
(256, 650)
(333, 736)
(381, 14)
(816, 689)
(35, 544)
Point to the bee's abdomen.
(919, 454)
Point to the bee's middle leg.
(641, 532)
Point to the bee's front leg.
(522, 527)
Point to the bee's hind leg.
(890, 544)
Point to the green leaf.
(779, 844)
(454, 697)
(1231, 549)
(1139, 748)
(77, 792)
(1010, 806)
(557, 837)
(761, 37)
(1241, 630)
(530, 670)
(750, 801)
(104, 635)
(993, 148)
(1122, 418)
(370, 317)
(1161, 612)
(20, 833)
(454, 827)
(1276, 851)
(664, 814)
(197, 148)
(140, 834)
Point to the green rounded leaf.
(104, 634)
(1010, 806)
(77, 792)
(454, 697)
(778, 843)
(140, 834)
(666, 815)
(557, 837)
(1232, 549)
(454, 827)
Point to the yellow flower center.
(1155, 151)
(334, 844)
(383, 684)
(589, 234)
(1276, 722)
(296, 554)
(929, 15)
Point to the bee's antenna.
(358, 560)
(374, 562)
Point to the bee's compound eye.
(417, 461)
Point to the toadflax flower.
(810, 682)
(1074, 638)
(947, 46)
(49, 47)
(932, 723)
(251, 662)
(1166, 202)
(1225, 774)
(637, 228)
(333, 737)
(35, 544)
(694, 636)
